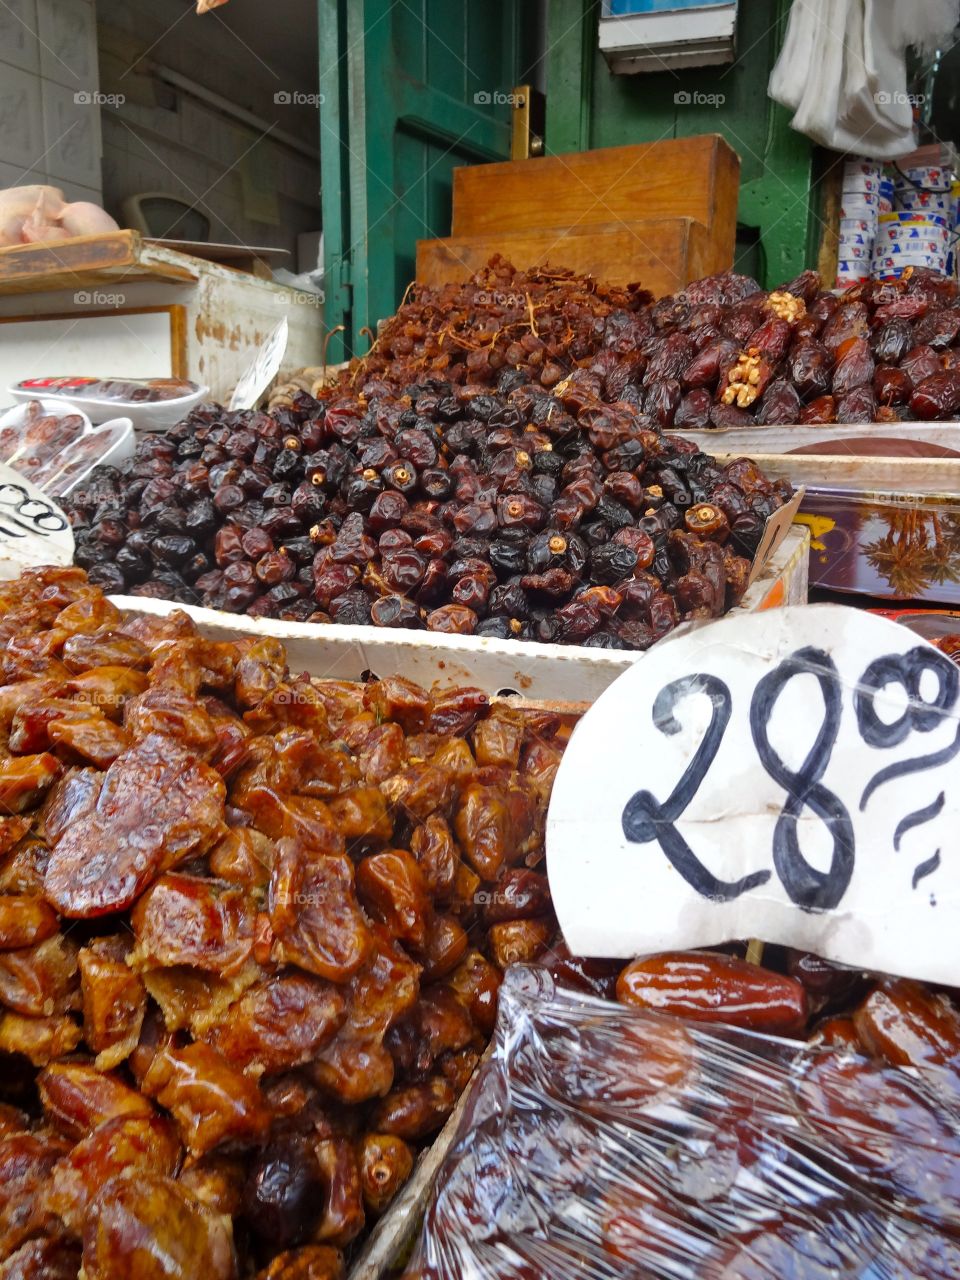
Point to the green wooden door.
(410, 89)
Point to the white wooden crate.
(550, 672)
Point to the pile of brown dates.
(252, 929)
(720, 353)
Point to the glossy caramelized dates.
(245, 969)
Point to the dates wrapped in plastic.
(608, 1142)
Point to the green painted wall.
(587, 107)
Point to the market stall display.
(721, 353)
(503, 515)
(523, 491)
(251, 933)
(609, 1141)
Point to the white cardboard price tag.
(261, 372)
(792, 776)
(33, 529)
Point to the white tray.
(788, 439)
(552, 672)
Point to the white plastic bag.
(842, 70)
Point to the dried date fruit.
(385, 1163)
(158, 805)
(518, 941)
(394, 891)
(414, 1111)
(781, 404)
(114, 1001)
(711, 987)
(279, 1023)
(857, 406)
(77, 1098)
(195, 921)
(126, 1144)
(892, 386)
(905, 1024)
(24, 921)
(854, 367)
(211, 1101)
(283, 1192)
(937, 396)
(315, 918)
(920, 362)
(150, 1226)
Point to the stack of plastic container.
(918, 232)
(859, 212)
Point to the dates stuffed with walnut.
(247, 962)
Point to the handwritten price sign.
(33, 529)
(791, 776)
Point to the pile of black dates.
(511, 511)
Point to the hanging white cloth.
(842, 70)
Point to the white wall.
(49, 115)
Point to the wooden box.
(662, 254)
(615, 212)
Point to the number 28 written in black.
(646, 819)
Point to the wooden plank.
(695, 177)
(863, 475)
(661, 254)
(83, 261)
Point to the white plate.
(145, 416)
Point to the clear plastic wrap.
(601, 1142)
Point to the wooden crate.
(595, 203)
(662, 254)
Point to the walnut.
(787, 306)
(742, 388)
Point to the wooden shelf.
(89, 261)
